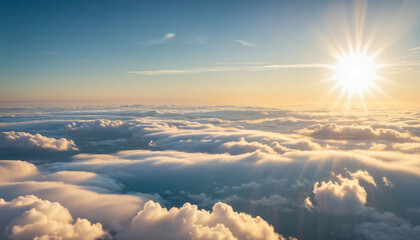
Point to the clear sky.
(200, 51)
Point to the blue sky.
(82, 50)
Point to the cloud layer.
(188, 222)
(27, 141)
(29, 216)
(209, 172)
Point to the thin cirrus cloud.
(245, 43)
(414, 49)
(228, 69)
(164, 39)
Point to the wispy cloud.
(415, 49)
(164, 39)
(228, 69)
(403, 64)
(412, 52)
(245, 43)
(242, 63)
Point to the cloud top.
(33, 218)
(24, 140)
(188, 222)
(344, 196)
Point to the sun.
(356, 73)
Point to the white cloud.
(390, 161)
(378, 147)
(363, 175)
(16, 170)
(164, 39)
(414, 49)
(28, 217)
(387, 182)
(359, 132)
(96, 125)
(407, 147)
(188, 222)
(228, 69)
(113, 211)
(308, 204)
(245, 43)
(197, 137)
(223, 153)
(344, 196)
(23, 140)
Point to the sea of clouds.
(209, 172)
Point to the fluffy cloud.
(14, 170)
(114, 211)
(359, 132)
(363, 175)
(28, 217)
(101, 125)
(188, 222)
(343, 196)
(23, 140)
(18, 178)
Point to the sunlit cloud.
(344, 195)
(262, 158)
(35, 218)
(24, 140)
(287, 161)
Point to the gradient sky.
(89, 51)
